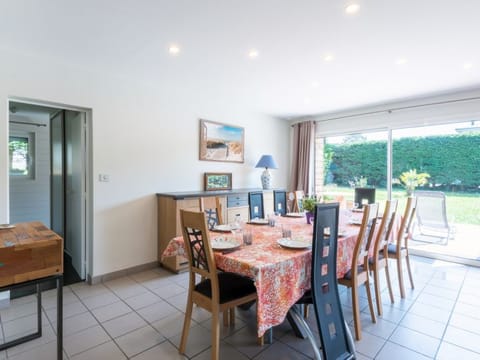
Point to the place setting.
(288, 242)
(258, 221)
(225, 244)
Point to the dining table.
(281, 273)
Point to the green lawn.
(462, 208)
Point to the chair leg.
(370, 300)
(305, 311)
(215, 334)
(407, 258)
(260, 341)
(378, 297)
(232, 316)
(186, 325)
(356, 314)
(400, 278)
(225, 317)
(389, 282)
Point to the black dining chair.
(364, 196)
(280, 201)
(255, 203)
(335, 336)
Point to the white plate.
(293, 244)
(297, 215)
(259, 221)
(223, 228)
(355, 222)
(222, 243)
(6, 226)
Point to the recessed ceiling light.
(352, 8)
(467, 66)
(401, 61)
(328, 57)
(174, 49)
(253, 53)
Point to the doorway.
(48, 164)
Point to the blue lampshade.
(266, 161)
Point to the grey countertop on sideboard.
(178, 195)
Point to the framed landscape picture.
(218, 181)
(221, 142)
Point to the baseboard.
(120, 273)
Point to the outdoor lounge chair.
(431, 217)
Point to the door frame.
(88, 172)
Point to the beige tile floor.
(141, 316)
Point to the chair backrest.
(255, 203)
(364, 195)
(197, 243)
(335, 339)
(212, 208)
(406, 223)
(280, 201)
(386, 227)
(364, 238)
(431, 209)
(298, 202)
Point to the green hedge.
(452, 161)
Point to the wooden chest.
(29, 251)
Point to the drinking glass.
(247, 236)
(272, 218)
(286, 231)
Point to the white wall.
(146, 138)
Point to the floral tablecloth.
(281, 275)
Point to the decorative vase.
(266, 179)
(309, 216)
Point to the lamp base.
(266, 180)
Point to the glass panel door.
(443, 161)
(352, 162)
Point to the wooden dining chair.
(378, 260)
(212, 208)
(398, 250)
(218, 291)
(359, 270)
(298, 200)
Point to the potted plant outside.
(309, 208)
(411, 180)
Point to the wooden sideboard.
(29, 251)
(234, 202)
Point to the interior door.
(57, 187)
(75, 188)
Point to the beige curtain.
(303, 141)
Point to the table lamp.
(267, 162)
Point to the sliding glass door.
(442, 162)
(350, 162)
(442, 159)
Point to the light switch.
(104, 177)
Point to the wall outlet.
(104, 177)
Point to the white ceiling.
(289, 78)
